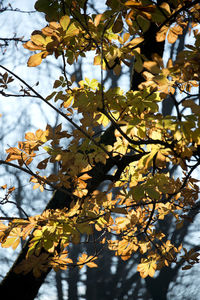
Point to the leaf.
(152, 193)
(64, 22)
(147, 268)
(118, 24)
(135, 42)
(122, 223)
(57, 83)
(17, 154)
(192, 105)
(91, 264)
(71, 31)
(138, 193)
(13, 239)
(4, 186)
(61, 262)
(51, 96)
(172, 37)
(173, 33)
(97, 60)
(35, 60)
(161, 34)
(152, 66)
(187, 267)
(166, 7)
(38, 39)
(126, 36)
(43, 164)
(30, 46)
(88, 260)
(97, 19)
(36, 264)
(143, 23)
(3, 231)
(138, 65)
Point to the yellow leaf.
(103, 120)
(172, 37)
(126, 36)
(152, 66)
(38, 39)
(85, 177)
(177, 29)
(97, 19)
(64, 22)
(54, 25)
(135, 42)
(30, 46)
(147, 268)
(166, 7)
(16, 154)
(71, 31)
(91, 264)
(169, 63)
(122, 223)
(3, 229)
(35, 60)
(74, 209)
(161, 34)
(13, 239)
(30, 136)
(4, 186)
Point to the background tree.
(152, 162)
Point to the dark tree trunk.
(59, 285)
(73, 274)
(20, 286)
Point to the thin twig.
(64, 71)
(28, 171)
(15, 95)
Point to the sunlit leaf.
(35, 60)
(64, 22)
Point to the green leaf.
(138, 193)
(118, 24)
(152, 193)
(51, 8)
(50, 96)
(57, 83)
(143, 23)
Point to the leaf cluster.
(143, 143)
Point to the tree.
(121, 138)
